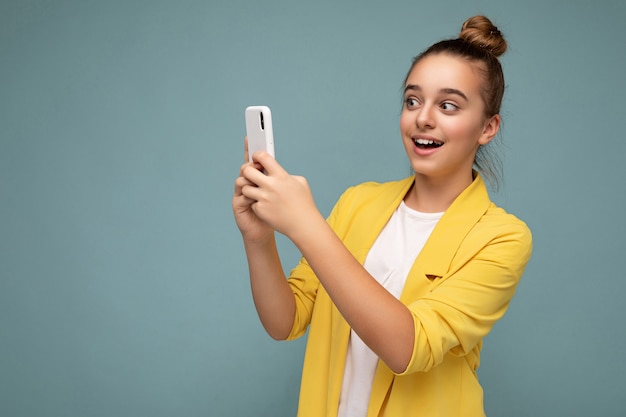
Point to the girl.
(404, 279)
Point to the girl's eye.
(449, 106)
(411, 102)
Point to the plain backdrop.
(123, 282)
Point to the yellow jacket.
(461, 283)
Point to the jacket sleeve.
(463, 304)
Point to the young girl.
(404, 279)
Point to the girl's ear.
(492, 125)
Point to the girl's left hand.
(282, 200)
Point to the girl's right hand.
(250, 225)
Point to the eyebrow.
(443, 90)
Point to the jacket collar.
(464, 212)
(457, 221)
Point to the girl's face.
(443, 121)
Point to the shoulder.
(495, 239)
(505, 230)
(474, 212)
(497, 218)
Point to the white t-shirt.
(388, 261)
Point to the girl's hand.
(283, 201)
(250, 225)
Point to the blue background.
(123, 283)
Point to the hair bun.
(479, 31)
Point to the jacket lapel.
(435, 258)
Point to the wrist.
(308, 230)
(256, 239)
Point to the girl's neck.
(435, 195)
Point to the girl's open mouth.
(427, 143)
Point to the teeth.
(426, 142)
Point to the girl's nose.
(425, 118)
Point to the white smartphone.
(259, 130)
